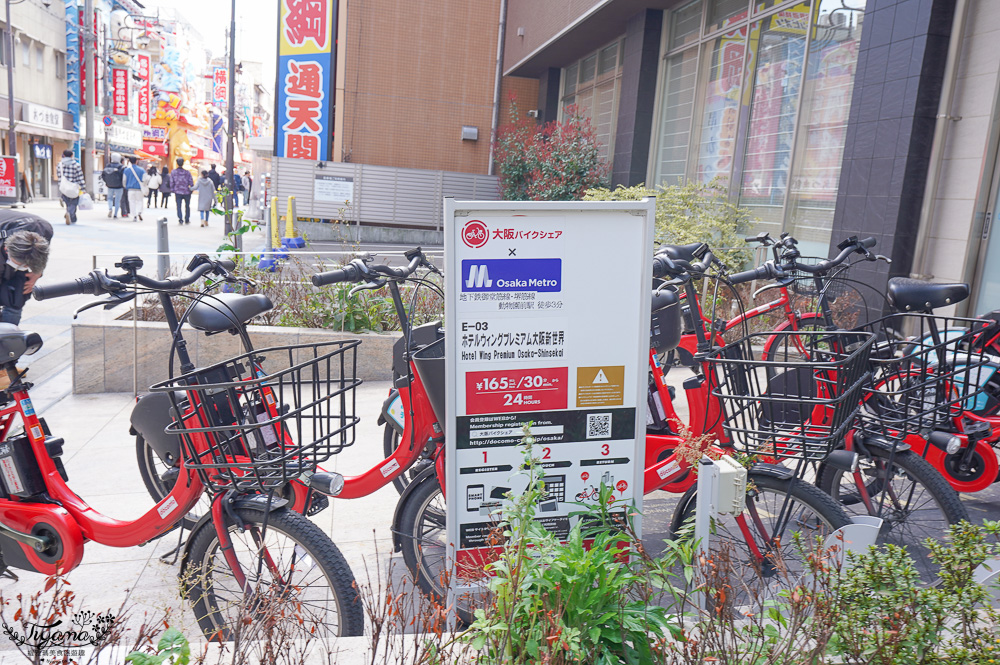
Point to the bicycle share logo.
(65, 638)
(475, 234)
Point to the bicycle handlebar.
(98, 283)
(766, 271)
(359, 270)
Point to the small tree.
(694, 212)
(558, 162)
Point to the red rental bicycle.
(246, 433)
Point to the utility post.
(88, 105)
(231, 114)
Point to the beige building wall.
(966, 167)
(415, 73)
(540, 21)
(523, 91)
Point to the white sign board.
(547, 305)
(333, 188)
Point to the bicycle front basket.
(247, 429)
(925, 373)
(799, 402)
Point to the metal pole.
(11, 134)
(107, 93)
(163, 249)
(88, 104)
(230, 112)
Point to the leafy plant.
(689, 213)
(557, 162)
(173, 649)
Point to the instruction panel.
(547, 312)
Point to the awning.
(41, 130)
(155, 148)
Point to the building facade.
(825, 118)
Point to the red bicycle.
(246, 434)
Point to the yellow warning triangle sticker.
(600, 378)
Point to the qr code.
(598, 425)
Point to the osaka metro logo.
(512, 275)
(475, 234)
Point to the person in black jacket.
(214, 176)
(25, 252)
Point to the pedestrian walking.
(181, 184)
(206, 196)
(113, 178)
(247, 187)
(214, 176)
(135, 185)
(70, 177)
(153, 186)
(164, 186)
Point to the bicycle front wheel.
(914, 501)
(299, 584)
(785, 517)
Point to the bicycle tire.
(827, 517)
(150, 466)
(806, 324)
(425, 545)
(215, 596)
(926, 513)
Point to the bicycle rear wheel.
(914, 501)
(776, 510)
(300, 585)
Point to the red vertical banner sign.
(142, 112)
(83, 65)
(119, 91)
(8, 177)
(220, 86)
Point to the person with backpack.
(135, 184)
(70, 177)
(25, 252)
(152, 185)
(114, 180)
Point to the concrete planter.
(105, 351)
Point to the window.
(761, 101)
(25, 52)
(3, 46)
(60, 65)
(40, 57)
(592, 84)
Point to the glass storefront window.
(723, 13)
(722, 70)
(677, 106)
(569, 78)
(779, 42)
(685, 24)
(829, 82)
(594, 90)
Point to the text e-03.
(479, 326)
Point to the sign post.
(8, 180)
(547, 306)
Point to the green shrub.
(693, 212)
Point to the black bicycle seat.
(15, 342)
(224, 311)
(682, 252)
(909, 295)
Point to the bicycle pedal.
(317, 504)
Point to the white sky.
(256, 28)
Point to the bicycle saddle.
(224, 311)
(682, 252)
(15, 342)
(910, 295)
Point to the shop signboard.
(119, 91)
(143, 101)
(41, 150)
(220, 86)
(545, 328)
(306, 78)
(8, 180)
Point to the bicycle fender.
(772, 470)
(426, 475)
(881, 443)
(258, 501)
(149, 418)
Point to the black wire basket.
(799, 402)
(925, 373)
(246, 429)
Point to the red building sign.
(142, 112)
(119, 91)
